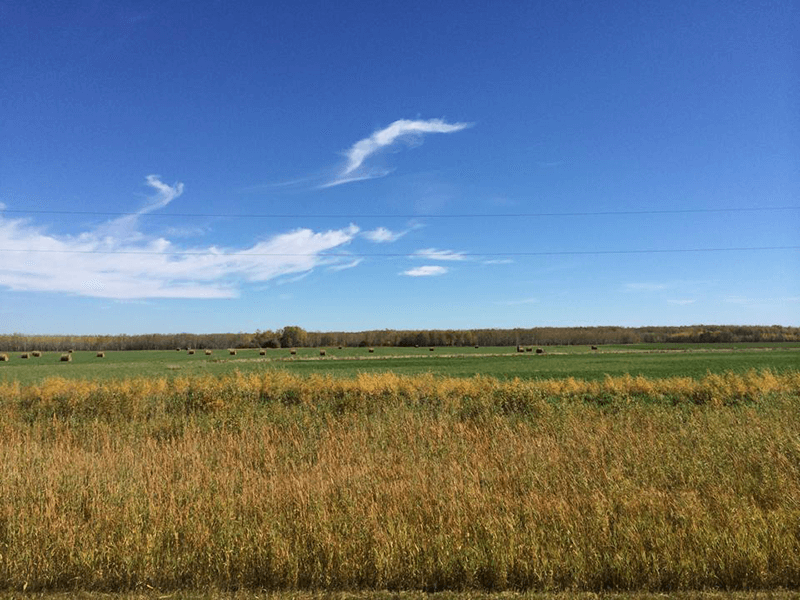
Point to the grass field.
(383, 482)
(631, 469)
(651, 360)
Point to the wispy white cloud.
(294, 278)
(401, 130)
(125, 227)
(426, 271)
(344, 266)
(382, 235)
(498, 261)
(684, 302)
(434, 254)
(116, 261)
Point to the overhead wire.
(399, 215)
(456, 257)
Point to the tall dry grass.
(383, 482)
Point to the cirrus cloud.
(426, 271)
(116, 261)
(434, 254)
(402, 129)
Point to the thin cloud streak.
(434, 254)
(400, 130)
(382, 235)
(426, 271)
(346, 266)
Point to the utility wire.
(399, 216)
(460, 255)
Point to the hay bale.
(322, 352)
(293, 352)
(190, 351)
(540, 351)
(101, 355)
(594, 347)
(70, 351)
(208, 352)
(431, 349)
(262, 352)
(528, 349)
(520, 349)
(24, 355)
(371, 350)
(36, 354)
(476, 346)
(3, 357)
(178, 349)
(340, 347)
(66, 358)
(232, 352)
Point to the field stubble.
(277, 482)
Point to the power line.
(400, 216)
(460, 255)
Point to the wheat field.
(380, 482)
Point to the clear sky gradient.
(233, 166)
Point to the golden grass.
(272, 481)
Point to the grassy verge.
(560, 361)
(276, 482)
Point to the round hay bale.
(24, 355)
(177, 349)
(3, 357)
(431, 349)
(36, 354)
(520, 349)
(540, 351)
(208, 352)
(340, 347)
(66, 358)
(322, 352)
(371, 350)
(293, 352)
(262, 352)
(190, 351)
(101, 355)
(594, 347)
(70, 351)
(232, 352)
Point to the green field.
(651, 360)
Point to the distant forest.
(297, 337)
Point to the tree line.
(296, 337)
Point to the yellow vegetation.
(273, 481)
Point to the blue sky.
(233, 166)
